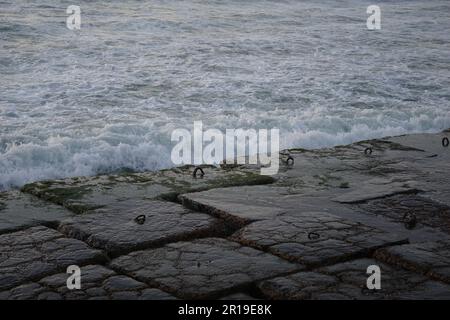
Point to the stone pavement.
(116, 230)
(202, 268)
(309, 232)
(99, 283)
(346, 281)
(40, 251)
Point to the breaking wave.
(107, 97)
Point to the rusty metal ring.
(368, 151)
(202, 173)
(445, 142)
(313, 236)
(410, 220)
(140, 219)
(290, 159)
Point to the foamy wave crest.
(108, 96)
(335, 131)
(69, 157)
(61, 157)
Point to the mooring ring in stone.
(368, 151)
(202, 173)
(140, 219)
(445, 142)
(290, 161)
(313, 235)
(410, 220)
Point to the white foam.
(108, 96)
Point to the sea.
(107, 96)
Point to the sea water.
(107, 96)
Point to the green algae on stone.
(19, 210)
(84, 194)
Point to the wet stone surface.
(240, 205)
(314, 238)
(349, 281)
(97, 282)
(83, 194)
(429, 258)
(139, 225)
(19, 211)
(309, 232)
(202, 268)
(407, 208)
(39, 251)
(377, 188)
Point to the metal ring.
(202, 173)
(140, 219)
(313, 235)
(290, 159)
(410, 220)
(445, 142)
(368, 151)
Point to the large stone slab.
(348, 167)
(19, 210)
(314, 238)
(116, 231)
(240, 205)
(205, 268)
(97, 283)
(349, 281)
(429, 258)
(428, 142)
(39, 251)
(411, 210)
(88, 193)
(435, 168)
(252, 203)
(273, 218)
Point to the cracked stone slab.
(429, 258)
(82, 194)
(279, 222)
(238, 204)
(242, 205)
(348, 280)
(97, 283)
(204, 268)
(117, 232)
(398, 207)
(19, 210)
(246, 204)
(314, 238)
(39, 251)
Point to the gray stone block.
(97, 282)
(116, 231)
(429, 258)
(39, 251)
(19, 210)
(348, 281)
(202, 268)
(314, 238)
